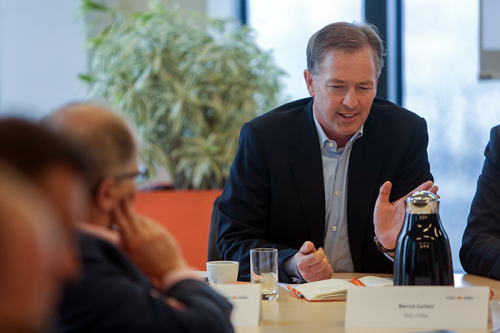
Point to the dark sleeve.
(207, 311)
(244, 207)
(414, 169)
(113, 296)
(404, 163)
(480, 251)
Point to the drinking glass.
(264, 271)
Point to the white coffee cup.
(222, 271)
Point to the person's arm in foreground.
(155, 251)
(115, 296)
(480, 251)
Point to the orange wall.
(186, 214)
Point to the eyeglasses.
(139, 177)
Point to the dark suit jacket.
(115, 296)
(275, 194)
(480, 251)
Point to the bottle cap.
(422, 202)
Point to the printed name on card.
(430, 307)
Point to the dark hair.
(347, 37)
(31, 148)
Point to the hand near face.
(147, 243)
(388, 217)
(312, 264)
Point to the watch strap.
(381, 248)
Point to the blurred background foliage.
(189, 91)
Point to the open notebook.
(335, 289)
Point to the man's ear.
(308, 76)
(104, 196)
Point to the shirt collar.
(323, 138)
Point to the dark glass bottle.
(423, 255)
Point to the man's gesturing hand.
(312, 264)
(388, 217)
(148, 243)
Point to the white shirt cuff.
(290, 267)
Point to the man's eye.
(335, 87)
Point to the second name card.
(430, 307)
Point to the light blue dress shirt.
(335, 171)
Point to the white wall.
(222, 8)
(42, 50)
(41, 53)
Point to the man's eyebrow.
(335, 81)
(368, 82)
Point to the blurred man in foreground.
(31, 243)
(119, 248)
(43, 192)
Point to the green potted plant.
(188, 91)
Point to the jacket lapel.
(364, 165)
(308, 172)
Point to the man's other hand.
(312, 264)
(388, 217)
(148, 243)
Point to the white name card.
(418, 307)
(246, 300)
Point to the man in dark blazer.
(279, 181)
(480, 251)
(135, 279)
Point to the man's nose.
(350, 99)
